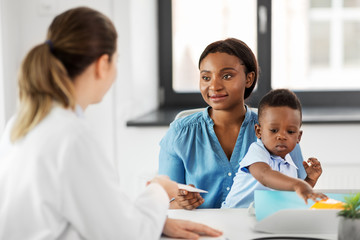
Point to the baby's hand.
(313, 170)
(305, 191)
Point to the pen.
(171, 200)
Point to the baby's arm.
(313, 170)
(276, 180)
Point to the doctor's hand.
(176, 228)
(170, 187)
(187, 200)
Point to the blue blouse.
(190, 153)
(241, 195)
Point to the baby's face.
(279, 129)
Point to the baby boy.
(268, 163)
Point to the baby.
(267, 163)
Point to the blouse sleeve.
(93, 202)
(297, 158)
(170, 163)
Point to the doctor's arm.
(93, 202)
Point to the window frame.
(330, 107)
(169, 98)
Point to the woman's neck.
(228, 117)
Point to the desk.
(236, 224)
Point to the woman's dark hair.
(238, 48)
(76, 38)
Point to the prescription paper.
(190, 188)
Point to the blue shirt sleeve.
(169, 163)
(297, 158)
(255, 154)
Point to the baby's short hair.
(280, 98)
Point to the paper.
(190, 188)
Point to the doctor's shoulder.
(61, 124)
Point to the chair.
(187, 112)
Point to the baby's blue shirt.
(190, 153)
(244, 186)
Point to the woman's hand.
(176, 228)
(313, 170)
(188, 200)
(305, 191)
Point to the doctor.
(55, 181)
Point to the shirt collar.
(210, 121)
(206, 116)
(79, 111)
(287, 159)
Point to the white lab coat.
(56, 183)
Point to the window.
(316, 50)
(311, 47)
(193, 29)
(187, 27)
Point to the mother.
(205, 148)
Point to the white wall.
(10, 26)
(24, 24)
(336, 147)
(135, 150)
(2, 97)
(136, 91)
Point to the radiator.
(339, 177)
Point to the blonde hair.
(76, 38)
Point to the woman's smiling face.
(223, 81)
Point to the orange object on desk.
(328, 204)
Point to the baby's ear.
(258, 131)
(299, 137)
